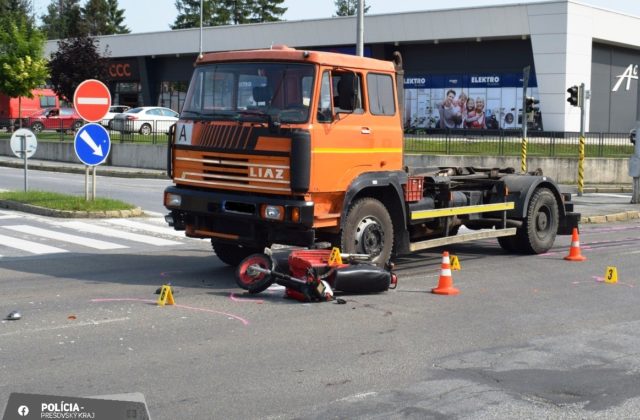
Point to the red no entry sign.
(92, 100)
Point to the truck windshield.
(251, 92)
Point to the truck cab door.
(343, 138)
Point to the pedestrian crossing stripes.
(102, 230)
(29, 246)
(161, 229)
(65, 237)
(43, 236)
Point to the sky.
(158, 15)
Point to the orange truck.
(300, 148)
(42, 98)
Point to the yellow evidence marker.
(455, 263)
(166, 296)
(611, 275)
(335, 258)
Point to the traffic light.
(574, 93)
(530, 105)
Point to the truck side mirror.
(632, 136)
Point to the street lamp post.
(360, 29)
(200, 51)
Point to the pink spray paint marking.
(600, 279)
(234, 298)
(236, 317)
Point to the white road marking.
(9, 216)
(164, 230)
(101, 230)
(65, 237)
(65, 326)
(28, 246)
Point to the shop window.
(172, 95)
(128, 93)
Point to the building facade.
(480, 54)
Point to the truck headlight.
(272, 212)
(172, 200)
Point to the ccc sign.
(121, 70)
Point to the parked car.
(59, 119)
(145, 120)
(113, 110)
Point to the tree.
(349, 7)
(63, 20)
(268, 10)
(22, 67)
(226, 12)
(102, 17)
(77, 59)
(18, 8)
(116, 18)
(213, 14)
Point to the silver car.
(145, 120)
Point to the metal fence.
(428, 141)
(509, 143)
(139, 131)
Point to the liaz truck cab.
(296, 147)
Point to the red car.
(59, 119)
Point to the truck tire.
(508, 243)
(368, 229)
(538, 232)
(232, 254)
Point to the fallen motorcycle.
(313, 275)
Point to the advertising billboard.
(467, 101)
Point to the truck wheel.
(368, 230)
(508, 243)
(232, 254)
(539, 229)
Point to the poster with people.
(465, 101)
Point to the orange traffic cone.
(574, 251)
(445, 284)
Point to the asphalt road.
(528, 336)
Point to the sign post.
(92, 101)
(24, 145)
(525, 84)
(634, 160)
(92, 145)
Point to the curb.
(615, 217)
(103, 171)
(44, 211)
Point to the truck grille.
(269, 174)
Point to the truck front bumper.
(240, 218)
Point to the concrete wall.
(562, 170)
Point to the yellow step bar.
(453, 211)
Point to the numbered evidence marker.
(611, 275)
(455, 263)
(335, 258)
(166, 296)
